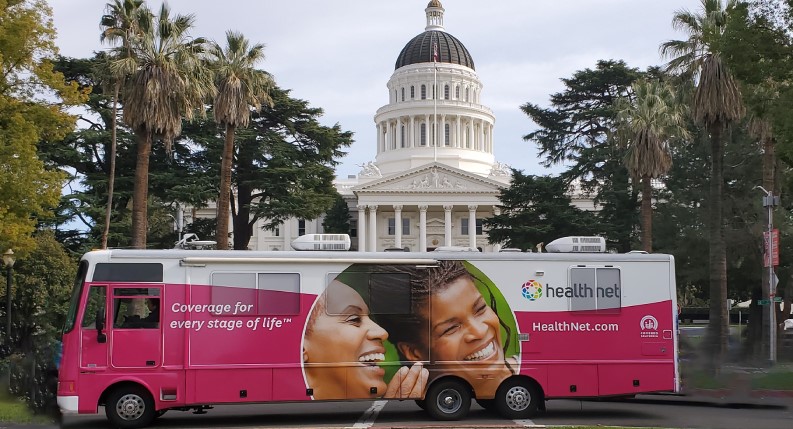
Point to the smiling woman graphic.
(454, 325)
(343, 349)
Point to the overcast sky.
(339, 54)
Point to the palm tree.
(168, 83)
(717, 104)
(240, 87)
(645, 125)
(121, 22)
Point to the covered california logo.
(532, 290)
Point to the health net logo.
(532, 290)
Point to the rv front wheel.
(130, 407)
(517, 399)
(448, 400)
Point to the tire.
(448, 400)
(488, 404)
(421, 404)
(517, 398)
(130, 407)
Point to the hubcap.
(518, 398)
(449, 401)
(130, 407)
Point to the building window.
(353, 228)
(423, 92)
(464, 226)
(446, 92)
(433, 92)
(403, 94)
(301, 227)
(466, 94)
(412, 92)
(402, 137)
(423, 134)
(457, 92)
(392, 226)
(446, 132)
(277, 231)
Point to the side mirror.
(101, 337)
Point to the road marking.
(370, 415)
(526, 423)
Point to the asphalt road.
(644, 411)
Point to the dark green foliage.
(337, 218)
(534, 210)
(283, 165)
(576, 131)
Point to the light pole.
(8, 261)
(769, 201)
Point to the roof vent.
(577, 245)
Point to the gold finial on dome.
(434, 3)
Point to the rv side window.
(395, 299)
(95, 305)
(128, 272)
(136, 308)
(279, 293)
(234, 291)
(594, 288)
(386, 293)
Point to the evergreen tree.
(337, 218)
(536, 210)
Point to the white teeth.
(372, 357)
(481, 354)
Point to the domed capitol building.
(434, 177)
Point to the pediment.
(432, 178)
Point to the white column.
(428, 135)
(472, 226)
(397, 226)
(362, 228)
(442, 132)
(447, 220)
(496, 212)
(373, 228)
(458, 138)
(482, 136)
(287, 232)
(398, 143)
(412, 139)
(470, 134)
(422, 228)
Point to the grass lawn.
(12, 410)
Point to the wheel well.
(112, 387)
(530, 381)
(451, 377)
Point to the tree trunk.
(140, 192)
(647, 214)
(718, 324)
(243, 224)
(111, 179)
(224, 196)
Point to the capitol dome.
(420, 50)
(434, 44)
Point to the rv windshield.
(77, 289)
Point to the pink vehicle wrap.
(239, 327)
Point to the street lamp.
(8, 261)
(769, 201)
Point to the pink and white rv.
(155, 330)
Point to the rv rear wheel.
(448, 400)
(517, 398)
(130, 407)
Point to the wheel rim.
(449, 401)
(518, 398)
(130, 407)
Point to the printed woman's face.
(463, 327)
(344, 334)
